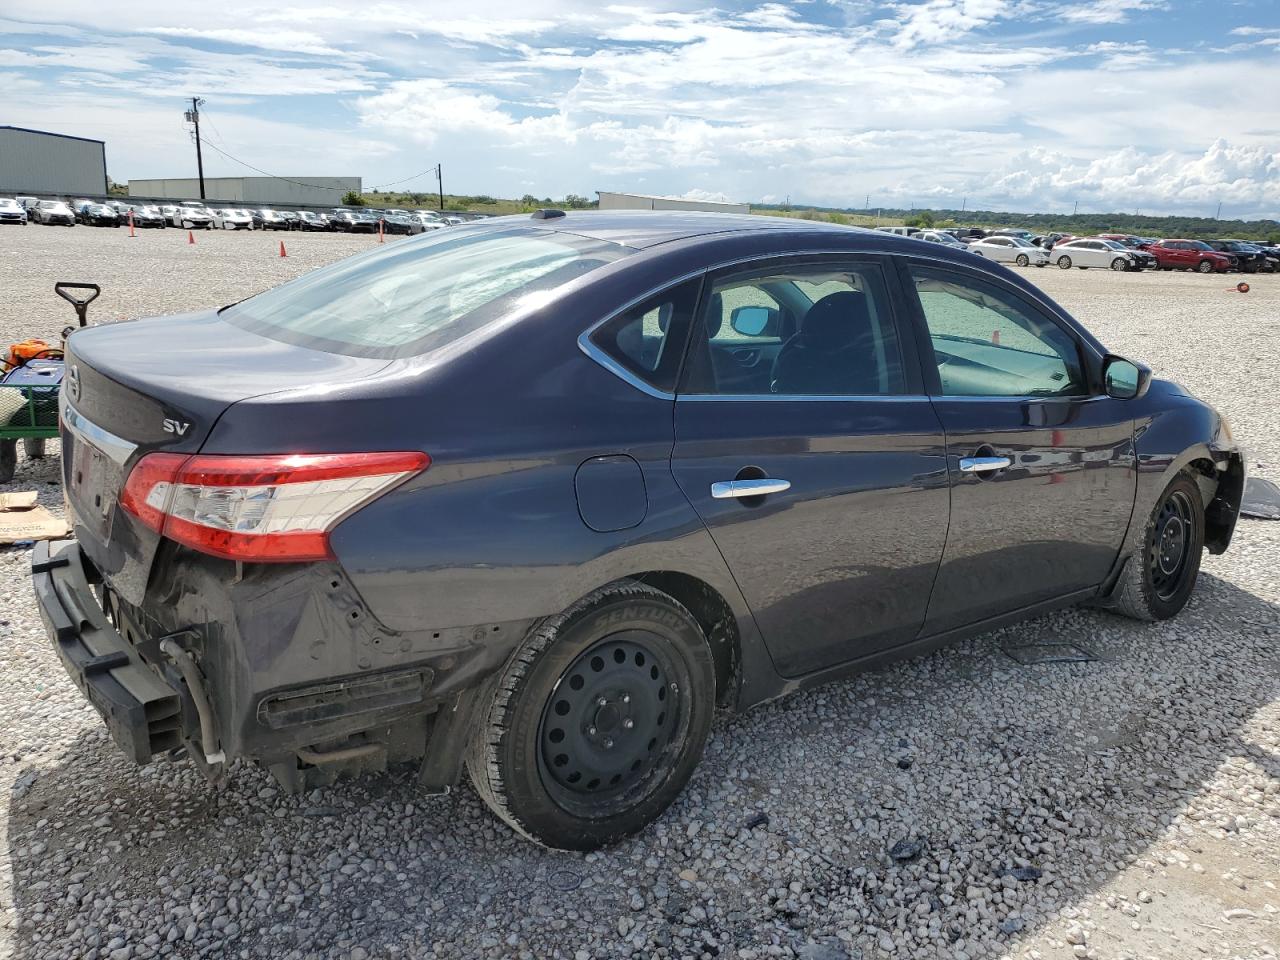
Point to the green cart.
(29, 391)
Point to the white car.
(188, 215)
(11, 211)
(428, 223)
(1010, 250)
(1086, 253)
(230, 218)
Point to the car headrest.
(836, 320)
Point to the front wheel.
(1064, 262)
(1205, 267)
(1119, 264)
(1022, 260)
(597, 720)
(1161, 573)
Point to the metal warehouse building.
(640, 201)
(37, 162)
(252, 191)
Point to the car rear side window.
(647, 340)
(414, 296)
(989, 344)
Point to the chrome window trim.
(802, 397)
(117, 448)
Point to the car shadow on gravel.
(953, 803)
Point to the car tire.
(1022, 260)
(1205, 267)
(1119, 264)
(1064, 262)
(625, 669)
(1161, 574)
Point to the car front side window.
(987, 343)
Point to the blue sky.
(1151, 105)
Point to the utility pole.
(964, 203)
(440, 182)
(193, 116)
(868, 202)
(1075, 205)
(1218, 215)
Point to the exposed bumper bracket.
(141, 711)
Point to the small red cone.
(282, 253)
(131, 233)
(191, 237)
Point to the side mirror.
(754, 321)
(1124, 379)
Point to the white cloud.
(293, 41)
(1241, 177)
(1107, 11)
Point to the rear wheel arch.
(716, 618)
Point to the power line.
(243, 163)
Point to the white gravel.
(1127, 807)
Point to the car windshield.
(6, 202)
(420, 295)
(1115, 245)
(1199, 245)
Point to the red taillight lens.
(264, 509)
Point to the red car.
(1189, 255)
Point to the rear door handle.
(983, 464)
(732, 489)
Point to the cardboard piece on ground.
(18, 501)
(21, 519)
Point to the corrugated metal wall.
(252, 191)
(37, 163)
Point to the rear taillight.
(262, 509)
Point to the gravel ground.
(958, 805)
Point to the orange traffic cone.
(191, 237)
(380, 240)
(282, 253)
(131, 233)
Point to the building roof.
(648, 228)
(47, 133)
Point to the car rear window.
(414, 296)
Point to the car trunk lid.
(160, 385)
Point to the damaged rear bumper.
(141, 710)
(192, 683)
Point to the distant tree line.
(1082, 224)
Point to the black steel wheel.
(598, 719)
(1161, 572)
(610, 720)
(1170, 544)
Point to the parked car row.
(1107, 251)
(194, 215)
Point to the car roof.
(648, 228)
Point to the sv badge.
(179, 427)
